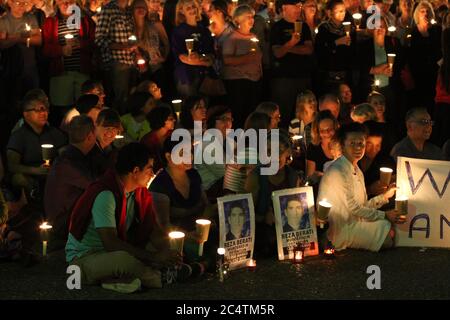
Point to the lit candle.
(291, 254)
(323, 211)
(119, 136)
(176, 241)
(391, 30)
(401, 205)
(28, 30)
(347, 27)
(316, 30)
(47, 153)
(298, 255)
(329, 253)
(251, 265)
(202, 228)
(132, 39)
(385, 176)
(433, 21)
(189, 45)
(99, 9)
(296, 141)
(357, 18)
(254, 43)
(177, 106)
(45, 228)
(141, 62)
(220, 262)
(391, 59)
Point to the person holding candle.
(179, 200)
(334, 50)
(423, 55)
(293, 61)
(24, 152)
(114, 27)
(311, 16)
(85, 104)
(354, 221)
(415, 145)
(306, 110)
(111, 224)
(375, 157)
(19, 35)
(345, 96)
(374, 66)
(69, 176)
(135, 123)
(190, 69)
(242, 66)
(405, 21)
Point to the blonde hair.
(430, 11)
(302, 98)
(240, 11)
(179, 16)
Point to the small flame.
(254, 40)
(27, 27)
(221, 251)
(433, 21)
(132, 38)
(99, 9)
(392, 29)
(45, 226)
(141, 62)
(357, 16)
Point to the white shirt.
(354, 221)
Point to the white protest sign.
(237, 229)
(295, 222)
(425, 184)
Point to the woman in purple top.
(191, 65)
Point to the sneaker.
(179, 273)
(131, 287)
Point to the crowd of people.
(90, 98)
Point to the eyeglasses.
(424, 122)
(38, 110)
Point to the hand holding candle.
(177, 107)
(189, 46)
(347, 27)
(202, 228)
(391, 59)
(401, 205)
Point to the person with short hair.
(111, 224)
(272, 110)
(94, 87)
(24, 151)
(354, 221)
(344, 93)
(415, 145)
(296, 217)
(305, 110)
(330, 102)
(69, 175)
(236, 223)
(363, 112)
(86, 104)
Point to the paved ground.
(406, 273)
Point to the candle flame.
(433, 21)
(47, 146)
(254, 39)
(221, 251)
(119, 136)
(392, 29)
(132, 38)
(177, 101)
(45, 226)
(176, 235)
(202, 221)
(297, 137)
(27, 27)
(357, 16)
(141, 62)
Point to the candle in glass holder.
(202, 228)
(391, 59)
(347, 27)
(251, 265)
(357, 18)
(176, 241)
(323, 211)
(401, 205)
(299, 253)
(47, 153)
(298, 27)
(254, 44)
(189, 45)
(45, 229)
(329, 253)
(385, 176)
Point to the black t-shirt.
(316, 154)
(291, 65)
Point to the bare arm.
(15, 165)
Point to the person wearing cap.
(86, 104)
(293, 61)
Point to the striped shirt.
(114, 26)
(72, 62)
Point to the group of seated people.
(99, 167)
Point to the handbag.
(212, 87)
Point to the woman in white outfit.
(355, 221)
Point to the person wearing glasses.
(24, 151)
(415, 145)
(354, 221)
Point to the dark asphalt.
(406, 273)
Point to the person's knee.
(388, 242)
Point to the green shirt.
(381, 58)
(103, 216)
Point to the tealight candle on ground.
(251, 265)
(176, 241)
(202, 228)
(385, 175)
(298, 255)
(329, 253)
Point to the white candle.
(401, 205)
(323, 211)
(47, 150)
(202, 228)
(28, 29)
(44, 227)
(221, 253)
(357, 18)
(347, 28)
(254, 43)
(385, 176)
(176, 240)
